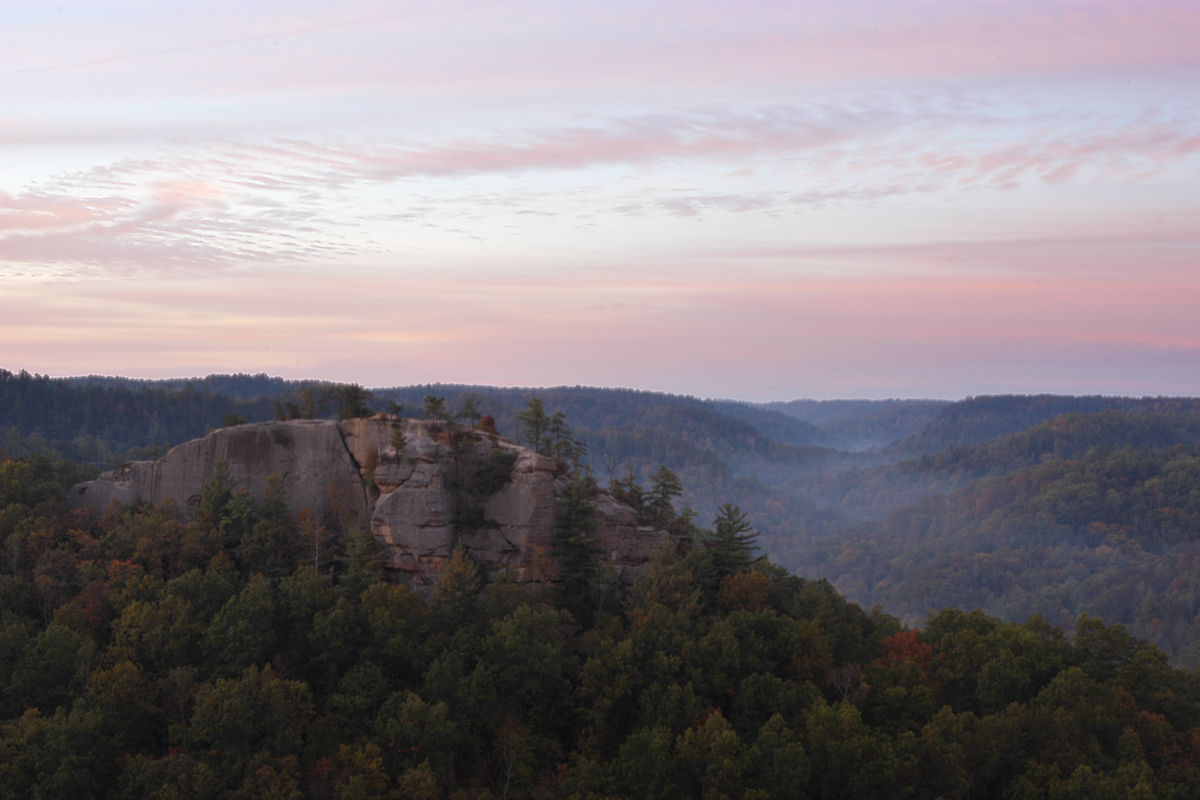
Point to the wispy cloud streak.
(232, 204)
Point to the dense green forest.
(107, 422)
(903, 526)
(144, 657)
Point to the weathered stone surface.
(318, 472)
(436, 508)
(446, 488)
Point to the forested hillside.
(823, 512)
(872, 493)
(231, 658)
(108, 422)
(978, 419)
(1115, 533)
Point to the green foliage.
(242, 634)
(575, 550)
(470, 411)
(732, 541)
(352, 401)
(456, 598)
(494, 475)
(233, 419)
(533, 422)
(435, 408)
(144, 657)
(659, 499)
(1112, 533)
(245, 723)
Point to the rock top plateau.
(444, 488)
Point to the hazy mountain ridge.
(979, 419)
(863, 424)
(871, 493)
(827, 512)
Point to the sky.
(760, 201)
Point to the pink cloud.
(629, 326)
(228, 204)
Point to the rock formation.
(445, 487)
(318, 470)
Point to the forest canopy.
(141, 656)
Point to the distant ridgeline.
(1045, 504)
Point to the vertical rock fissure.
(358, 470)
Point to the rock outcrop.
(318, 471)
(444, 487)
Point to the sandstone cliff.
(446, 487)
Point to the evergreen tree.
(352, 401)
(470, 411)
(534, 423)
(665, 486)
(313, 403)
(435, 408)
(732, 542)
(573, 547)
(456, 598)
(629, 491)
(560, 441)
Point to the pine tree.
(732, 542)
(665, 486)
(435, 408)
(573, 547)
(534, 423)
(470, 411)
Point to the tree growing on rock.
(352, 401)
(435, 408)
(470, 411)
(575, 550)
(532, 423)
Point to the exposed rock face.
(318, 471)
(477, 489)
(443, 489)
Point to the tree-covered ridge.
(978, 419)
(240, 386)
(101, 424)
(808, 503)
(1114, 533)
(140, 657)
(871, 493)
